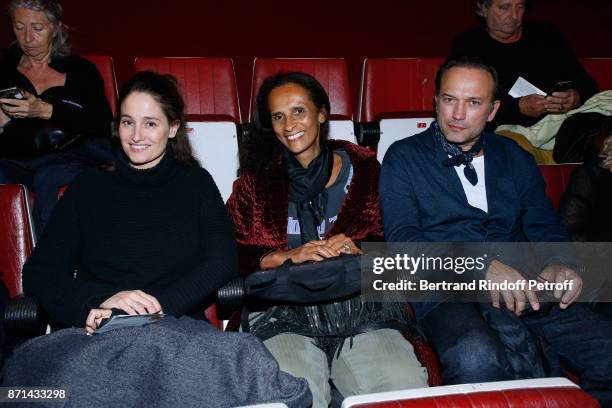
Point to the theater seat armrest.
(23, 317)
(367, 133)
(230, 298)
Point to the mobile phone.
(11, 93)
(562, 86)
(119, 321)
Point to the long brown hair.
(164, 89)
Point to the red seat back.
(601, 70)
(208, 85)
(557, 177)
(17, 238)
(429, 69)
(211, 314)
(397, 88)
(561, 397)
(105, 66)
(330, 72)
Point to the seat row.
(18, 239)
(18, 242)
(214, 119)
(215, 123)
(395, 100)
(208, 122)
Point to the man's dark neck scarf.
(307, 189)
(458, 156)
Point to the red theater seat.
(557, 177)
(397, 87)
(17, 238)
(545, 392)
(429, 69)
(601, 70)
(212, 110)
(208, 85)
(330, 72)
(105, 66)
(390, 87)
(396, 99)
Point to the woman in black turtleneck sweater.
(152, 235)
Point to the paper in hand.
(522, 87)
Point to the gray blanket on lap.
(171, 363)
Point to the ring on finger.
(560, 106)
(346, 248)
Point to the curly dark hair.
(164, 89)
(261, 149)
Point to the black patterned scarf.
(458, 156)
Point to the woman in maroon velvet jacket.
(259, 208)
(304, 198)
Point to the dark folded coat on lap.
(172, 363)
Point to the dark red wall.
(316, 28)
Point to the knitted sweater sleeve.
(52, 273)
(216, 264)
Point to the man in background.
(535, 52)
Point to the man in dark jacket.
(456, 183)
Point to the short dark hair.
(468, 62)
(261, 149)
(164, 89)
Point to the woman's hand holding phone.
(11, 93)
